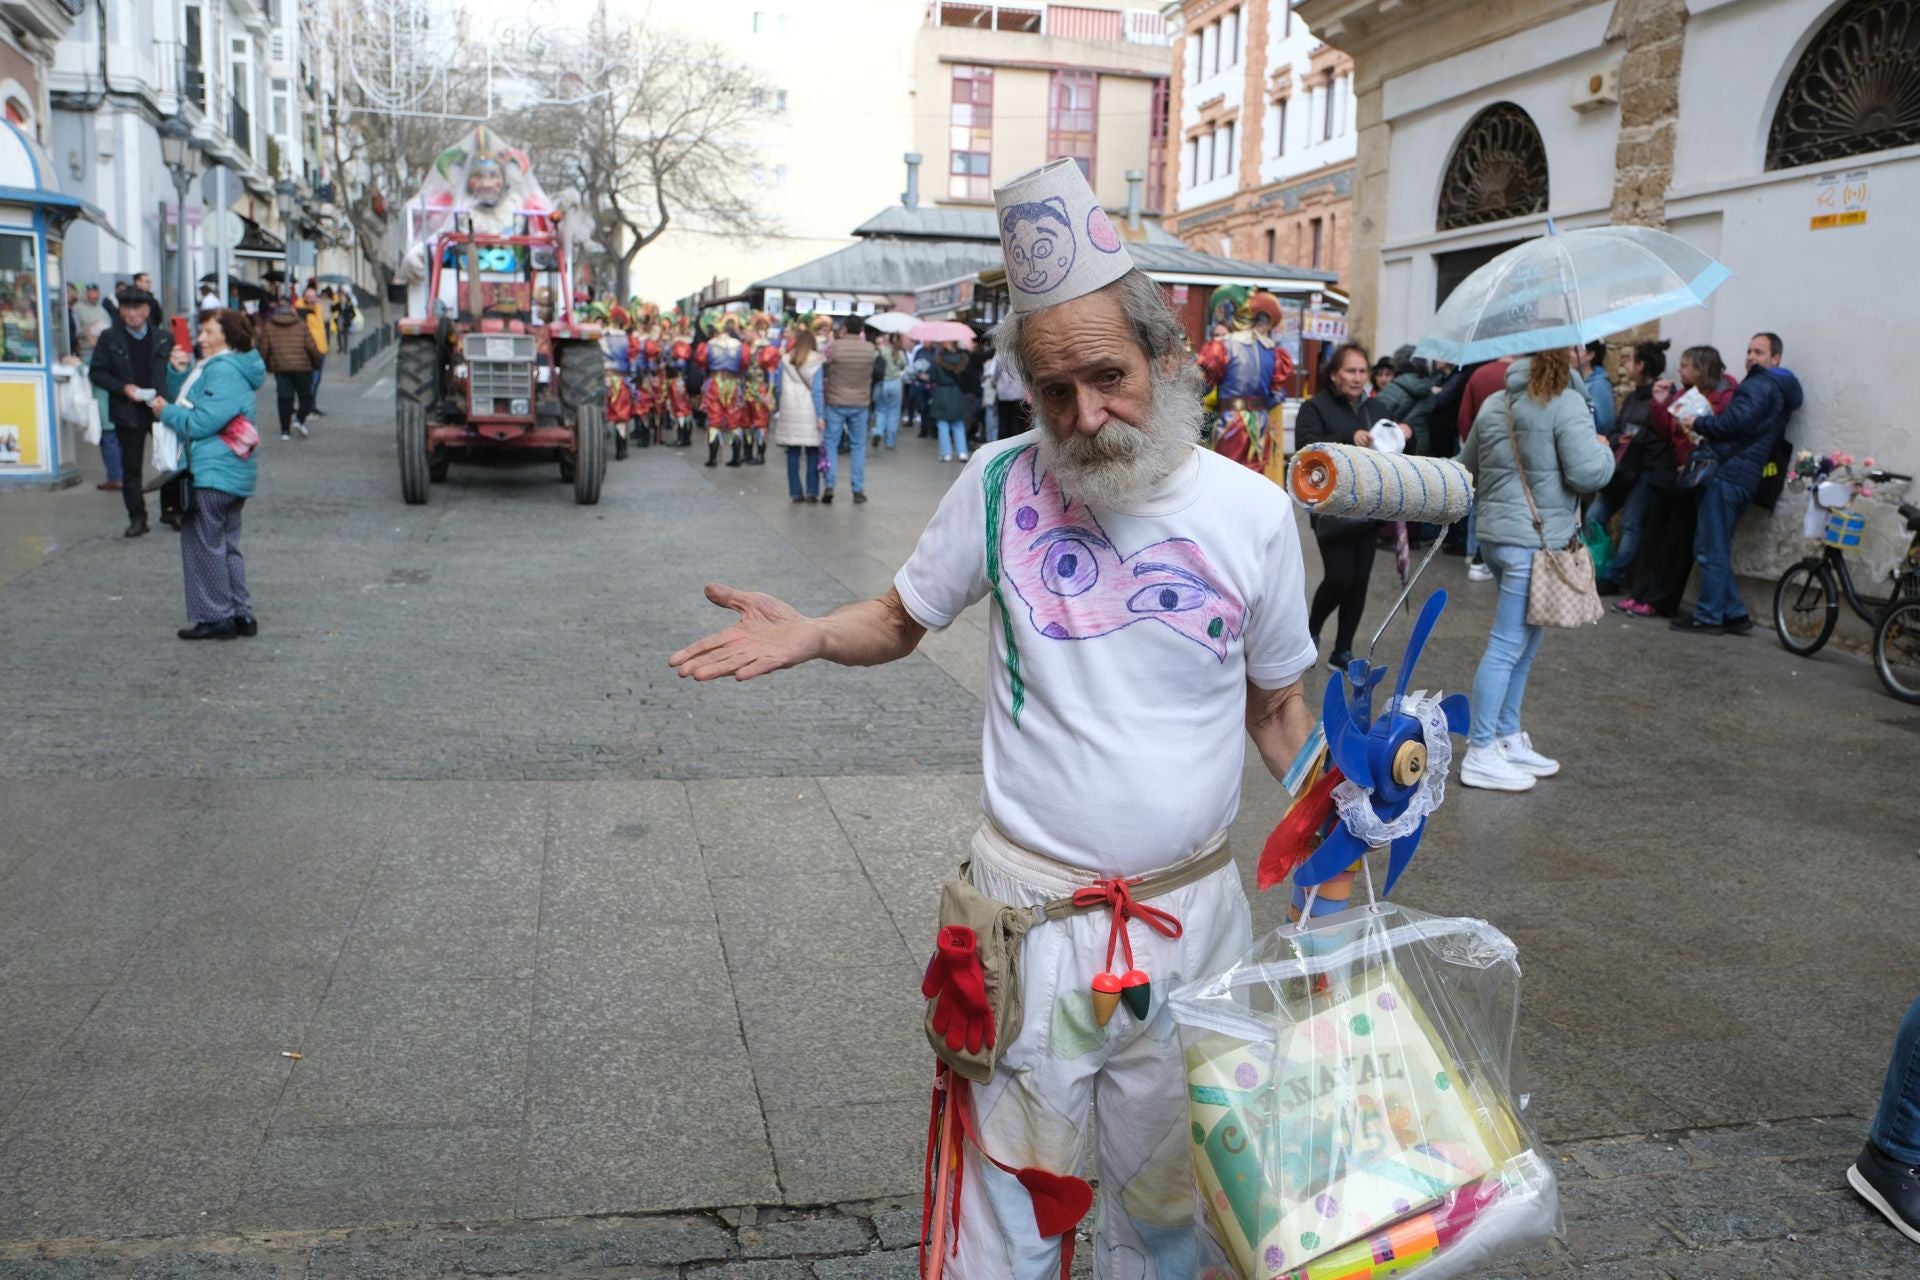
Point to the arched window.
(1856, 89)
(1498, 170)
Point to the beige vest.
(850, 372)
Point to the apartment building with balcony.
(1263, 166)
(232, 71)
(1003, 88)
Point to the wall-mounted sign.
(1325, 326)
(1840, 200)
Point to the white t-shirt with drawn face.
(1122, 644)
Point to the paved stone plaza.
(594, 972)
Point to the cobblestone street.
(440, 930)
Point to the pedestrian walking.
(1887, 1174)
(889, 393)
(1532, 452)
(947, 402)
(1337, 415)
(848, 392)
(1740, 439)
(1629, 492)
(919, 387)
(316, 318)
(1663, 560)
(1010, 399)
(290, 354)
(799, 419)
(90, 336)
(130, 365)
(209, 409)
(1114, 672)
(90, 316)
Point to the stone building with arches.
(1781, 136)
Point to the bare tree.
(653, 127)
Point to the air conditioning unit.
(1592, 90)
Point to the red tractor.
(492, 363)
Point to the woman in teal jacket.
(206, 398)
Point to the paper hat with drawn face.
(1058, 241)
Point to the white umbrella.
(1563, 290)
(891, 321)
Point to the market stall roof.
(930, 223)
(1177, 264)
(27, 177)
(885, 266)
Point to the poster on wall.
(21, 444)
(1840, 199)
(1326, 326)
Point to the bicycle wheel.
(1896, 650)
(1805, 607)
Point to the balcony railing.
(1086, 20)
(193, 79)
(240, 125)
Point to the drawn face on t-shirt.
(1077, 585)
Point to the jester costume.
(1249, 373)
(679, 355)
(614, 347)
(726, 358)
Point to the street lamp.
(283, 198)
(178, 148)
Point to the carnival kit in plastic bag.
(1348, 1083)
(1350, 1079)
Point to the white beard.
(1125, 460)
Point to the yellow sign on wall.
(23, 442)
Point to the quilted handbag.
(1561, 592)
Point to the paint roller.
(1366, 484)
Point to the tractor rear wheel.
(583, 378)
(416, 373)
(412, 434)
(590, 453)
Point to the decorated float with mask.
(490, 360)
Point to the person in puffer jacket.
(210, 407)
(1741, 436)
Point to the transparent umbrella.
(892, 321)
(1569, 288)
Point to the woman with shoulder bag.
(209, 408)
(795, 425)
(1337, 415)
(1664, 560)
(1532, 452)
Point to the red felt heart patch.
(1059, 1200)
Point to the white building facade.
(1795, 160)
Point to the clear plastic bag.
(1350, 1086)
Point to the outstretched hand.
(771, 635)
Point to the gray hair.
(1155, 328)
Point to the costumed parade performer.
(615, 348)
(1249, 373)
(1148, 609)
(763, 361)
(724, 356)
(649, 393)
(679, 355)
(492, 185)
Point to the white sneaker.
(1487, 767)
(1518, 749)
(301, 427)
(1479, 571)
(963, 457)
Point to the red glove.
(959, 990)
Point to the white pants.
(1038, 1109)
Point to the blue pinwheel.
(1386, 757)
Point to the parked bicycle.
(1807, 598)
(1896, 641)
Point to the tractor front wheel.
(414, 466)
(590, 453)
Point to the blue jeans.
(1720, 508)
(797, 459)
(1896, 1127)
(110, 452)
(1500, 685)
(1633, 518)
(318, 365)
(953, 439)
(887, 399)
(1473, 534)
(852, 419)
(989, 420)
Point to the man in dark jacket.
(130, 365)
(287, 346)
(1742, 437)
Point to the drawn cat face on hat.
(1058, 242)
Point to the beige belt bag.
(999, 930)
